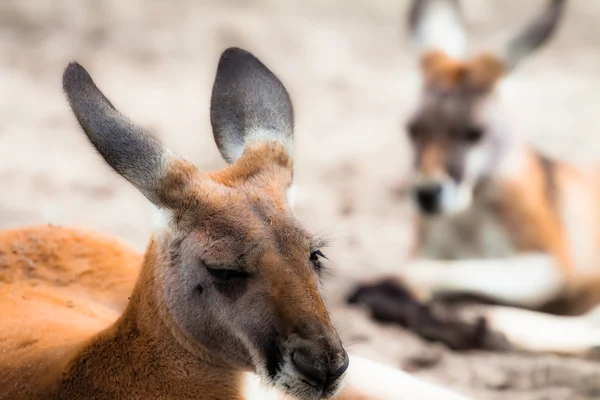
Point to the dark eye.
(317, 255)
(414, 129)
(473, 134)
(315, 258)
(226, 275)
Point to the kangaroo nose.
(429, 198)
(302, 361)
(322, 376)
(341, 369)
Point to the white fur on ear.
(259, 136)
(232, 150)
(440, 28)
(235, 147)
(161, 220)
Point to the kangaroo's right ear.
(131, 152)
(437, 25)
(534, 34)
(249, 106)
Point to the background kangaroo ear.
(138, 157)
(437, 25)
(249, 105)
(534, 34)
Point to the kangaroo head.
(232, 272)
(458, 129)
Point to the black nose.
(320, 375)
(429, 198)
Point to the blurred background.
(351, 73)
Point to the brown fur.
(229, 284)
(50, 340)
(532, 216)
(528, 212)
(445, 73)
(431, 158)
(75, 260)
(62, 286)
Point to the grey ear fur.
(249, 105)
(535, 34)
(131, 152)
(437, 25)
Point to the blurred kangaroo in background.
(497, 220)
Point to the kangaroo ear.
(249, 106)
(534, 34)
(131, 152)
(437, 25)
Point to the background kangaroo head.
(458, 130)
(231, 271)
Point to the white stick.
(365, 380)
(369, 380)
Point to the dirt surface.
(351, 75)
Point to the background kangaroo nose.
(319, 374)
(429, 198)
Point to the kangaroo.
(497, 219)
(226, 301)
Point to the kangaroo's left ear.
(249, 106)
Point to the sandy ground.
(351, 76)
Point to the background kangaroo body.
(497, 219)
(543, 217)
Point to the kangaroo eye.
(414, 130)
(315, 258)
(317, 255)
(473, 134)
(226, 275)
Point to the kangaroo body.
(496, 220)
(70, 334)
(543, 207)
